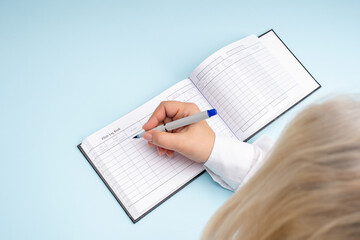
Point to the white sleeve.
(233, 162)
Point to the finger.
(161, 151)
(165, 109)
(179, 129)
(170, 153)
(167, 140)
(167, 120)
(171, 109)
(150, 144)
(192, 108)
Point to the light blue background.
(68, 68)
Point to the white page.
(249, 86)
(288, 61)
(139, 177)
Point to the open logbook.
(250, 82)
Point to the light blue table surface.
(68, 68)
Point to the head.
(309, 187)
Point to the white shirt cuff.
(232, 161)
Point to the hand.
(194, 141)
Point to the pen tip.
(135, 136)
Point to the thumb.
(171, 141)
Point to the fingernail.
(148, 137)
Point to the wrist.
(211, 142)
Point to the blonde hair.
(309, 188)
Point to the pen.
(182, 122)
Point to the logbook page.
(138, 176)
(249, 85)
